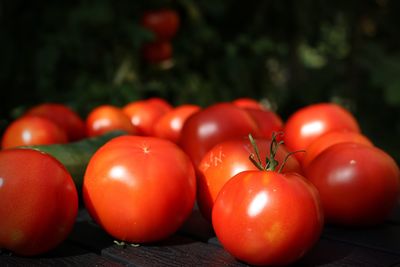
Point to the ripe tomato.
(163, 104)
(143, 115)
(169, 125)
(39, 202)
(107, 118)
(212, 125)
(268, 122)
(139, 189)
(267, 218)
(164, 23)
(358, 184)
(157, 52)
(245, 102)
(227, 159)
(308, 123)
(32, 130)
(329, 139)
(63, 116)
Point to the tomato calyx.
(271, 163)
(123, 244)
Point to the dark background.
(293, 53)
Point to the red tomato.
(163, 104)
(227, 159)
(329, 139)
(212, 125)
(157, 52)
(32, 130)
(308, 123)
(267, 218)
(268, 122)
(143, 115)
(63, 116)
(107, 118)
(164, 23)
(139, 189)
(245, 102)
(169, 125)
(358, 184)
(39, 202)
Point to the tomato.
(143, 115)
(106, 118)
(32, 130)
(139, 189)
(268, 122)
(246, 102)
(164, 23)
(169, 125)
(212, 125)
(39, 202)
(227, 159)
(163, 104)
(156, 52)
(358, 184)
(310, 122)
(329, 139)
(267, 218)
(63, 116)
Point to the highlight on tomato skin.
(32, 130)
(106, 118)
(144, 114)
(151, 179)
(212, 125)
(39, 202)
(359, 184)
(267, 218)
(331, 138)
(169, 125)
(63, 116)
(228, 158)
(308, 123)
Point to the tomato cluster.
(266, 206)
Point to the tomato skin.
(267, 218)
(329, 139)
(310, 122)
(39, 202)
(268, 122)
(106, 118)
(164, 23)
(169, 125)
(163, 104)
(212, 125)
(139, 189)
(32, 130)
(156, 52)
(246, 102)
(358, 184)
(227, 159)
(63, 116)
(143, 115)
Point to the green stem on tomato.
(270, 163)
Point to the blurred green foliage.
(293, 53)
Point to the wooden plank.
(176, 251)
(65, 255)
(339, 254)
(385, 237)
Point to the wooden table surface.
(196, 245)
